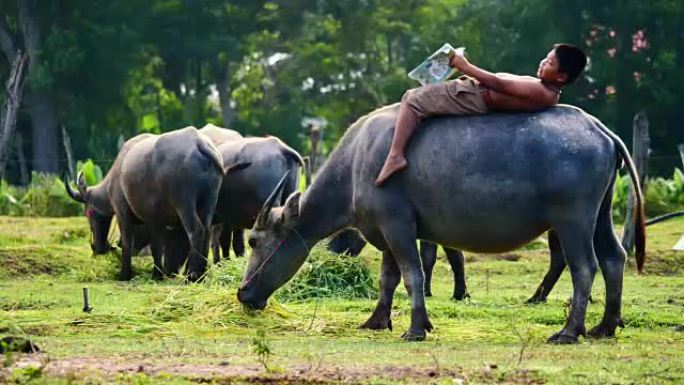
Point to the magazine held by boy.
(436, 67)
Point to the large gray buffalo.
(486, 183)
(168, 182)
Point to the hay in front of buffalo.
(329, 275)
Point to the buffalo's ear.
(236, 167)
(291, 208)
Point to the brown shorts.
(462, 96)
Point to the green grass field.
(146, 332)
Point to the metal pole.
(86, 300)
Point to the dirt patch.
(225, 373)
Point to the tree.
(27, 22)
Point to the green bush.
(45, 196)
(91, 172)
(662, 195)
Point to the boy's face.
(548, 69)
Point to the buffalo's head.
(100, 220)
(278, 249)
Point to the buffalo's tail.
(639, 213)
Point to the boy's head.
(562, 64)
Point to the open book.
(436, 67)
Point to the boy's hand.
(458, 62)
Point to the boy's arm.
(518, 86)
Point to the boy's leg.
(407, 120)
(455, 97)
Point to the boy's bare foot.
(392, 164)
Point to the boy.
(480, 91)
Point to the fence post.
(640, 150)
(315, 136)
(307, 170)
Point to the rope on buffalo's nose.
(272, 253)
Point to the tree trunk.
(640, 151)
(681, 153)
(24, 175)
(224, 90)
(8, 123)
(45, 136)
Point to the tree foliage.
(262, 66)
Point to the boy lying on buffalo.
(480, 91)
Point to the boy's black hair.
(571, 60)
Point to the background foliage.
(119, 68)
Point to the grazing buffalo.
(485, 183)
(168, 182)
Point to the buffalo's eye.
(252, 243)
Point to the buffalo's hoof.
(428, 293)
(377, 323)
(157, 275)
(124, 276)
(562, 338)
(192, 278)
(414, 335)
(536, 299)
(604, 330)
(460, 296)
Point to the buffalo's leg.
(216, 232)
(556, 267)
(225, 239)
(611, 256)
(457, 262)
(157, 249)
(389, 279)
(197, 224)
(577, 243)
(356, 245)
(401, 238)
(428, 255)
(239, 243)
(197, 260)
(126, 231)
(176, 249)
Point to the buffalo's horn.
(81, 183)
(266, 208)
(75, 195)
